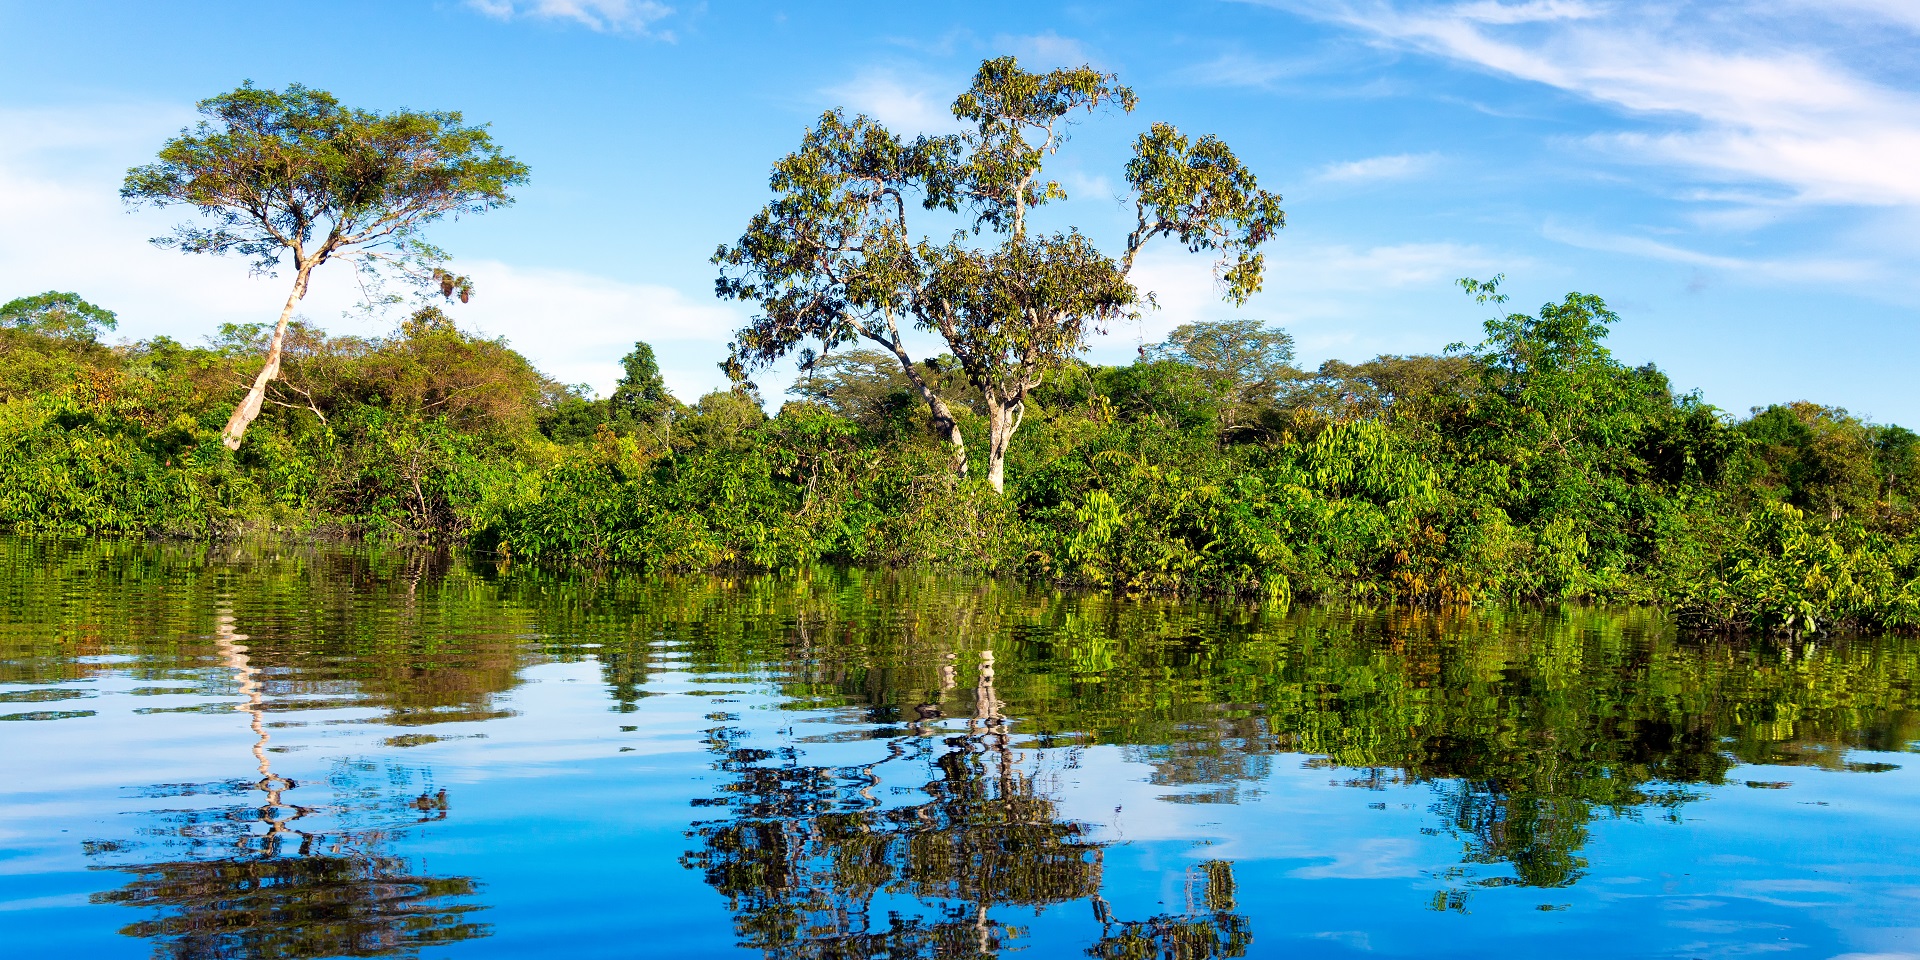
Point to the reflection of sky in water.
(562, 821)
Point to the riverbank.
(1533, 467)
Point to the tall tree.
(58, 314)
(294, 174)
(833, 258)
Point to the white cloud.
(1045, 51)
(1399, 166)
(1731, 103)
(1538, 11)
(1097, 187)
(1337, 267)
(576, 326)
(62, 225)
(605, 16)
(1240, 70)
(1374, 859)
(906, 105)
(1329, 295)
(1905, 13)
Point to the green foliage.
(58, 314)
(641, 399)
(392, 437)
(1532, 467)
(276, 171)
(640, 405)
(1779, 571)
(296, 174)
(1249, 360)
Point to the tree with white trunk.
(833, 260)
(293, 175)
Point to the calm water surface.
(259, 752)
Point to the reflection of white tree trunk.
(986, 724)
(233, 653)
(986, 703)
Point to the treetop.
(59, 315)
(294, 171)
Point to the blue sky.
(1741, 180)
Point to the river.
(279, 751)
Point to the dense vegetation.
(1531, 466)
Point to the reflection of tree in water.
(814, 863)
(294, 880)
(1231, 755)
(1540, 835)
(354, 905)
(415, 633)
(1209, 928)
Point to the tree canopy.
(58, 314)
(641, 397)
(1253, 361)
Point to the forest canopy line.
(1532, 465)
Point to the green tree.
(58, 314)
(853, 383)
(833, 259)
(867, 385)
(641, 397)
(295, 174)
(1818, 458)
(1339, 390)
(1251, 360)
(1896, 456)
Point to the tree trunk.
(1002, 420)
(941, 414)
(948, 427)
(244, 414)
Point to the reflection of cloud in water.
(1357, 939)
(1780, 893)
(1367, 860)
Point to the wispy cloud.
(1044, 51)
(1399, 166)
(1904, 13)
(1732, 104)
(606, 16)
(1241, 70)
(1187, 290)
(905, 103)
(1762, 269)
(604, 317)
(1336, 298)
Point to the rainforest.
(1530, 467)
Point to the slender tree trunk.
(948, 427)
(941, 414)
(244, 414)
(1003, 419)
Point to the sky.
(1741, 181)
